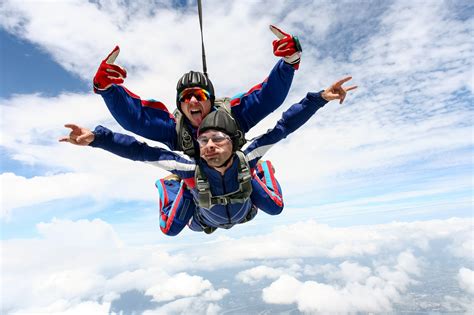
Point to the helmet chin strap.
(226, 161)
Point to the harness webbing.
(185, 139)
(207, 200)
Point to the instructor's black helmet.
(194, 79)
(222, 121)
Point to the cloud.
(310, 239)
(366, 291)
(466, 279)
(62, 171)
(181, 285)
(462, 247)
(462, 303)
(256, 274)
(64, 307)
(79, 45)
(77, 261)
(188, 294)
(194, 305)
(406, 119)
(351, 272)
(400, 145)
(86, 260)
(22, 191)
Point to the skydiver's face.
(215, 147)
(195, 105)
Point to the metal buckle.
(202, 185)
(220, 200)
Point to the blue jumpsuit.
(266, 194)
(151, 119)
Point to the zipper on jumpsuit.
(226, 206)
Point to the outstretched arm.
(148, 118)
(130, 148)
(296, 116)
(261, 100)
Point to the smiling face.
(215, 147)
(195, 105)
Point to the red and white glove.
(108, 72)
(287, 46)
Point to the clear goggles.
(217, 138)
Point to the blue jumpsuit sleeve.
(293, 118)
(251, 107)
(147, 118)
(130, 148)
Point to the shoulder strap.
(202, 186)
(185, 139)
(223, 102)
(207, 200)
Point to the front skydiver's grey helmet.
(222, 121)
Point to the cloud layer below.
(400, 147)
(84, 264)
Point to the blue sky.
(25, 65)
(371, 187)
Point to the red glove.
(109, 73)
(287, 46)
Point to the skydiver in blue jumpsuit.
(151, 119)
(218, 161)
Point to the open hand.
(337, 92)
(78, 135)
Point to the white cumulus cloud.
(258, 273)
(86, 260)
(466, 279)
(181, 285)
(370, 291)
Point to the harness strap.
(185, 139)
(225, 200)
(207, 200)
(209, 229)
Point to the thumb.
(73, 127)
(113, 55)
(278, 32)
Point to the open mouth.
(195, 112)
(196, 115)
